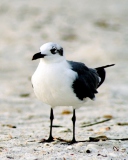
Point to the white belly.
(53, 84)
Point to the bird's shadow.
(68, 142)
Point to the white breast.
(52, 84)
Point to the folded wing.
(88, 79)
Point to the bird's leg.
(50, 139)
(51, 121)
(73, 121)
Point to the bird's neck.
(49, 60)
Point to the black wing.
(86, 83)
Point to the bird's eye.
(53, 51)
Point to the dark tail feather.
(101, 72)
(105, 66)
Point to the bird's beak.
(38, 55)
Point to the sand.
(93, 32)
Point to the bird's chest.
(50, 80)
(52, 83)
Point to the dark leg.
(50, 139)
(73, 121)
(51, 121)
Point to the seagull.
(60, 82)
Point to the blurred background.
(93, 32)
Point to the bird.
(60, 82)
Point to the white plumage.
(58, 82)
(52, 83)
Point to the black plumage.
(101, 72)
(87, 82)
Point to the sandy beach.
(95, 33)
